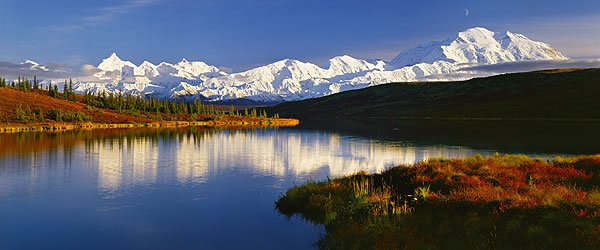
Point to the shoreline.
(519, 201)
(434, 118)
(59, 127)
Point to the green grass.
(546, 94)
(496, 202)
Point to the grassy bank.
(499, 202)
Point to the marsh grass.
(496, 202)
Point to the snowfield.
(289, 80)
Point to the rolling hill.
(13, 100)
(36, 110)
(555, 94)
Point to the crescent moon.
(467, 12)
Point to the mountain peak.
(478, 46)
(343, 59)
(477, 35)
(477, 30)
(346, 64)
(113, 62)
(147, 64)
(282, 64)
(114, 56)
(284, 61)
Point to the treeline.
(68, 93)
(27, 114)
(128, 103)
(22, 84)
(134, 105)
(27, 85)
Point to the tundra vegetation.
(494, 202)
(26, 102)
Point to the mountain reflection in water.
(197, 188)
(123, 158)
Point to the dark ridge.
(552, 94)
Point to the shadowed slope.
(560, 94)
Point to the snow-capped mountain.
(479, 46)
(288, 79)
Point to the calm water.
(199, 188)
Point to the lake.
(201, 188)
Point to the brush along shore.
(496, 202)
(266, 122)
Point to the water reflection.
(123, 161)
(124, 157)
(160, 188)
(556, 137)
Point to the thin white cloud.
(575, 36)
(527, 66)
(104, 14)
(473, 71)
(29, 69)
(48, 72)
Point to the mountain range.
(289, 80)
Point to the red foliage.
(512, 182)
(12, 99)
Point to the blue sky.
(243, 34)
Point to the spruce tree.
(66, 91)
(36, 84)
(71, 92)
(51, 91)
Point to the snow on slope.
(288, 79)
(480, 46)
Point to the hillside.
(557, 94)
(13, 100)
(35, 110)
